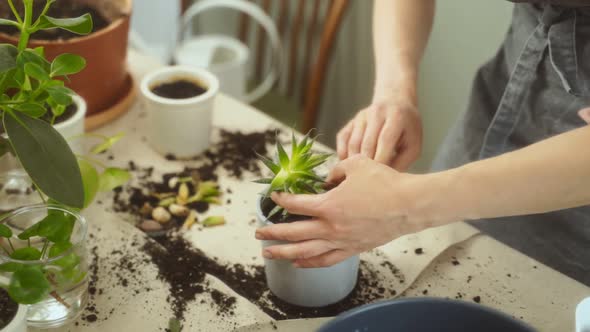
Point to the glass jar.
(66, 272)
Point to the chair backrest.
(308, 29)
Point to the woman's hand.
(388, 131)
(372, 205)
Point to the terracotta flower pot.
(102, 82)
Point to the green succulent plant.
(294, 174)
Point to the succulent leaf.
(269, 163)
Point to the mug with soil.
(306, 287)
(44, 262)
(12, 315)
(179, 102)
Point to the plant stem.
(40, 193)
(54, 293)
(15, 12)
(25, 33)
(45, 9)
(10, 243)
(45, 246)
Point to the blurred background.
(466, 34)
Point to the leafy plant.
(32, 96)
(295, 174)
(32, 280)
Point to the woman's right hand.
(388, 131)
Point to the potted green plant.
(13, 317)
(42, 247)
(295, 174)
(105, 81)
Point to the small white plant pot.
(180, 127)
(73, 127)
(19, 322)
(583, 316)
(307, 287)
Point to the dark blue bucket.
(424, 315)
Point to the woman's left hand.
(372, 205)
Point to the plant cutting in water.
(31, 282)
(295, 174)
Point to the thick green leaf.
(107, 144)
(10, 267)
(29, 232)
(60, 94)
(269, 163)
(47, 158)
(5, 231)
(69, 261)
(112, 178)
(90, 179)
(4, 21)
(34, 110)
(80, 25)
(33, 56)
(4, 146)
(8, 54)
(67, 64)
(57, 226)
(59, 248)
(35, 71)
(26, 254)
(28, 285)
(283, 157)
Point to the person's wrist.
(399, 89)
(440, 198)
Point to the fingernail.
(267, 254)
(259, 236)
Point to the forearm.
(550, 175)
(400, 33)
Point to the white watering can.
(227, 57)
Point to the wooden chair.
(299, 31)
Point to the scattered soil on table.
(184, 269)
(59, 9)
(233, 153)
(179, 89)
(419, 251)
(8, 308)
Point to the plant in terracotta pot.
(296, 174)
(105, 81)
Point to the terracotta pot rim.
(112, 26)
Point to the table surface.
(481, 267)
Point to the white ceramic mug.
(583, 316)
(180, 127)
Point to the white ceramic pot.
(70, 128)
(181, 127)
(19, 322)
(315, 287)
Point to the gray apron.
(531, 90)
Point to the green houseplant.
(296, 174)
(42, 254)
